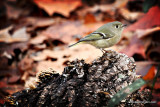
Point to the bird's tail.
(74, 44)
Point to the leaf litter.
(37, 38)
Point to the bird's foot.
(105, 51)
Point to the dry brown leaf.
(55, 6)
(13, 12)
(10, 47)
(83, 51)
(109, 9)
(10, 89)
(25, 76)
(9, 71)
(38, 39)
(4, 34)
(143, 33)
(66, 30)
(151, 40)
(142, 67)
(14, 78)
(25, 63)
(128, 15)
(39, 22)
(36, 22)
(19, 35)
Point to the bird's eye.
(116, 26)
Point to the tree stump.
(83, 84)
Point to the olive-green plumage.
(105, 36)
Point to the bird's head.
(113, 28)
(116, 26)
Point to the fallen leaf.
(135, 46)
(145, 42)
(38, 39)
(142, 67)
(56, 6)
(25, 63)
(17, 9)
(10, 89)
(109, 9)
(146, 32)
(36, 22)
(2, 84)
(10, 47)
(9, 71)
(130, 16)
(19, 35)
(82, 51)
(150, 74)
(157, 84)
(12, 12)
(151, 40)
(156, 99)
(7, 89)
(4, 34)
(149, 20)
(25, 76)
(14, 78)
(89, 18)
(66, 30)
(39, 22)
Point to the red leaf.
(157, 84)
(152, 18)
(151, 74)
(135, 46)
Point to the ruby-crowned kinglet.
(105, 36)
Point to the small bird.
(105, 36)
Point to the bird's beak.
(124, 25)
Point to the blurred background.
(35, 34)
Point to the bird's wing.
(95, 36)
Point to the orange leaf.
(89, 18)
(63, 7)
(151, 74)
(149, 20)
